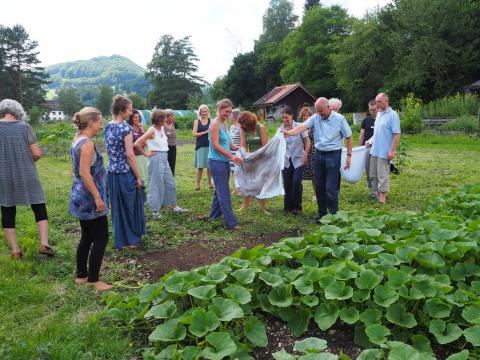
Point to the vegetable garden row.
(404, 281)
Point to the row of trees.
(429, 47)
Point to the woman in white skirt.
(162, 190)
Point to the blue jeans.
(221, 202)
(326, 171)
(292, 182)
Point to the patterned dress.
(308, 169)
(19, 182)
(82, 204)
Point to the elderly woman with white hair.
(200, 132)
(335, 104)
(19, 181)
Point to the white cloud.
(72, 30)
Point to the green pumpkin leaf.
(472, 335)
(321, 356)
(439, 234)
(255, 331)
(204, 292)
(244, 276)
(162, 311)
(310, 345)
(341, 252)
(303, 286)
(377, 333)
(397, 314)
(430, 260)
(191, 353)
(270, 279)
(371, 316)
(370, 354)
(222, 343)
(169, 331)
(203, 322)
(360, 295)
(444, 333)
(397, 278)
(403, 352)
(326, 315)
(338, 291)
(471, 313)
(330, 229)
(214, 278)
(422, 344)
(225, 309)
(368, 279)
(238, 293)
(168, 353)
(385, 296)
(462, 355)
(149, 292)
(436, 308)
(350, 315)
(310, 300)
(281, 296)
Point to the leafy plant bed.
(401, 281)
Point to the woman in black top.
(200, 131)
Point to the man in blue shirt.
(386, 136)
(329, 130)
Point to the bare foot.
(101, 286)
(81, 280)
(236, 228)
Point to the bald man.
(329, 130)
(386, 136)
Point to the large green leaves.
(162, 311)
(368, 279)
(472, 335)
(444, 333)
(281, 296)
(310, 345)
(377, 333)
(326, 315)
(255, 331)
(169, 331)
(238, 293)
(338, 291)
(204, 292)
(225, 309)
(471, 313)
(222, 346)
(397, 314)
(203, 322)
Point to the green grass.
(44, 315)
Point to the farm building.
(293, 95)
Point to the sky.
(78, 30)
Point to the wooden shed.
(293, 95)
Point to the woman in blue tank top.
(219, 157)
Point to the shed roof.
(278, 93)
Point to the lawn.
(44, 315)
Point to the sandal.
(17, 255)
(46, 250)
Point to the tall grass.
(453, 106)
(464, 123)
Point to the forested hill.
(88, 75)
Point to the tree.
(172, 71)
(35, 115)
(218, 89)
(278, 21)
(69, 101)
(137, 101)
(363, 62)
(436, 46)
(308, 48)
(21, 79)
(241, 82)
(310, 4)
(103, 101)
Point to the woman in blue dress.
(88, 199)
(125, 186)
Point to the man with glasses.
(329, 130)
(384, 143)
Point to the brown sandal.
(47, 251)
(17, 255)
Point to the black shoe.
(373, 197)
(393, 169)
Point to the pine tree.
(21, 78)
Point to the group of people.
(137, 157)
